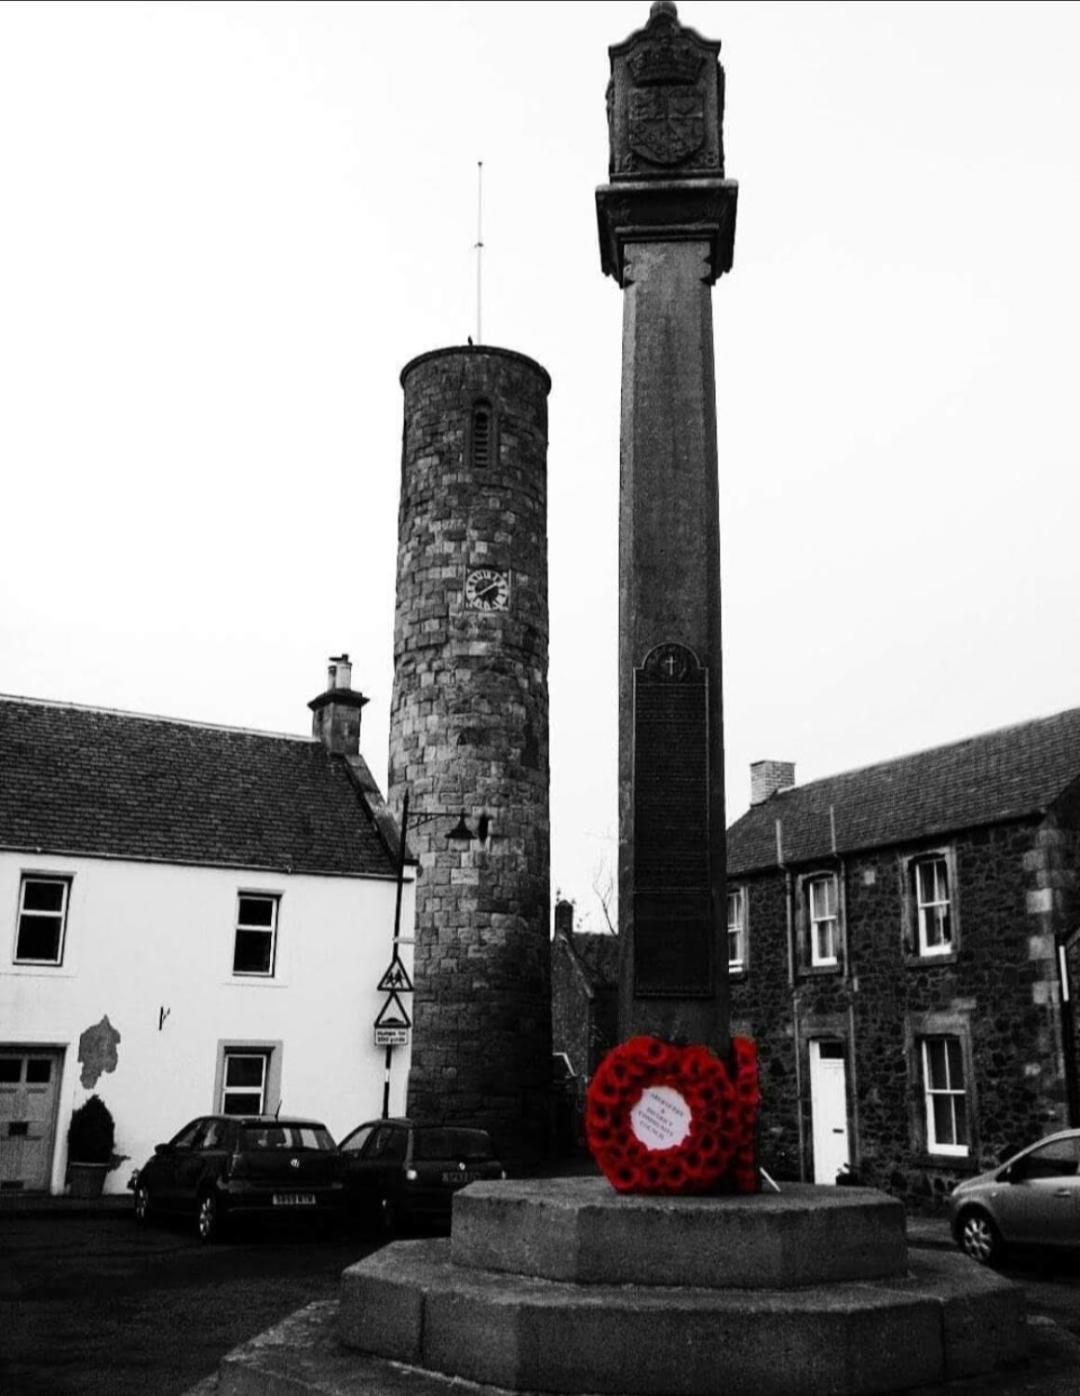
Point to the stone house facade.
(901, 940)
(584, 978)
(194, 919)
(584, 1018)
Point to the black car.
(399, 1172)
(220, 1167)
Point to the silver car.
(1031, 1200)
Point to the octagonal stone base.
(409, 1302)
(582, 1231)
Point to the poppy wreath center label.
(661, 1118)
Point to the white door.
(29, 1087)
(828, 1108)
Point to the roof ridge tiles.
(305, 739)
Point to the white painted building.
(192, 919)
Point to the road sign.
(392, 1014)
(391, 1037)
(396, 979)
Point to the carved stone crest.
(665, 102)
(667, 124)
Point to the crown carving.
(665, 60)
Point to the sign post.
(393, 1023)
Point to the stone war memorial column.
(667, 228)
(674, 1272)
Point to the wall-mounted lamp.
(460, 833)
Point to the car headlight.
(411, 1175)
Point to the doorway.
(828, 1108)
(29, 1094)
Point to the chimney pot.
(768, 778)
(340, 674)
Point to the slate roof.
(92, 782)
(988, 779)
(600, 956)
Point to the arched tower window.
(482, 435)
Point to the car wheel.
(143, 1205)
(980, 1238)
(208, 1218)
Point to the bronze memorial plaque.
(673, 931)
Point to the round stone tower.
(469, 735)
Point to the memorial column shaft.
(669, 594)
(666, 222)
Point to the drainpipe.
(1068, 1028)
(789, 908)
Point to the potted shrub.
(91, 1135)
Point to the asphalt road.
(1051, 1286)
(94, 1306)
(90, 1305)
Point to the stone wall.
(469, 731)
(1013, 885)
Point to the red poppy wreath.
(666, 1119)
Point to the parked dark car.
(1033, 1199)
(222, 1167)
(399, 1172)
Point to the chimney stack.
(564, 918)
(768, 778)
(335, 714)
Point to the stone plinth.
(939, 1320)
(579, 1230)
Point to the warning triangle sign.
(392, 1014)
(396, 979)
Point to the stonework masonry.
(469, 732)
(1000, 993)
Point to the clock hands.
(487, 590)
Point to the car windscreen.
(262, 1138)
(451, 1143)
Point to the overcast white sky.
(226, 226)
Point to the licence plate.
(294, 1199)
(458, 1180)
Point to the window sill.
(958, 1163)
(820, 971)
(930, 961)
(737, 976)
(255, 981)
(40, 971)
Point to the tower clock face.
(487, 589)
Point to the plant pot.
(86, 1179)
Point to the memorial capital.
(665, 106)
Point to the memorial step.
(941, 1320)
